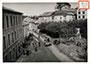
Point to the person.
(39, 44)
(34, 45)
(27, 52)
(48, 39)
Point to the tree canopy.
(60, 5)
(64, 28)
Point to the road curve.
(59, 55)
(62, 57)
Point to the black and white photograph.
(44, 32)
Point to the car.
(47, 44)
(56, 42)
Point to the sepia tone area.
(59, 34)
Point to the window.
(5, 58)
(17, 20)
(19, 49)
(12, 37)
(83, 16)
(13, 53)
(60, 17)
(14, 20)
(15, 35)
(4, 42)
(18, 34)
(79, 17)
(20, 18)
(52, 17)
(10, 56)
(11, 20)
(3, 22)
(83, 12)
(79, 12)
(9, 39)
(7, 21)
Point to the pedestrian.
(27, 52)
(35, 49)
(39, 44)
(48, 39)
(34, 45)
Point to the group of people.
(36, 44)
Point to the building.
(63, 15)
(62, 6)
(32, 25)
(12, 34)
(46, 17)
(65, 6)
(81, 14)
(56, 16)
(26, 26)
(29, 25)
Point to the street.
(59, 55)
(56, 52)
(45, 54)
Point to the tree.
(52, 27)
(60, 5)
(55, 29)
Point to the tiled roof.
(59, 12)
(11, 10)
(63, 12)
(46, 14)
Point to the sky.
(31, 9)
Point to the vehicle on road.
(56, 42)
(47, 42)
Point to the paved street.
(42, 55)
(45, 54)
(57, 53)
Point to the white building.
(81, 14)
(63, 16)
(29, 26)
(46, 17)
(56, 16)
(32, 26)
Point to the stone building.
(12, 34)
